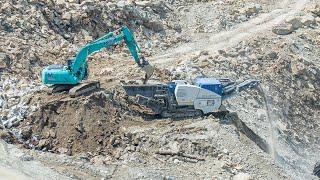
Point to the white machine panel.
(186, 94)
(207, 101)
(200, 98)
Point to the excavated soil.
(75, 126)
(80, 125)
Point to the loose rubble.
(15, 99)
(295, 22)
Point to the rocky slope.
(272, 132)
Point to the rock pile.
(295, 22)
(37, 33)
(202, 19)
(15, 98)
(73, 126)
(105, 127)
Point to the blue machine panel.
(172, 87)
(210, 84)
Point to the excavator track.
(84, 88)
(59, 88)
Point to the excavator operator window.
(69, 63)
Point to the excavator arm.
(76, 69)
(109, 40)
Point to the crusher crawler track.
(161, 107)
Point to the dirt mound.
(86, 124)
(101, 124)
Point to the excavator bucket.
(149, 70)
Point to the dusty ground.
(272, 132)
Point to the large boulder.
(283, 29)
(4, 61)
(6, 135)
(316, 10)
(251, 9)
(308, 20)
(295, 22)
(154, 25)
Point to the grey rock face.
(283, 29)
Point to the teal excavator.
(69, 77)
